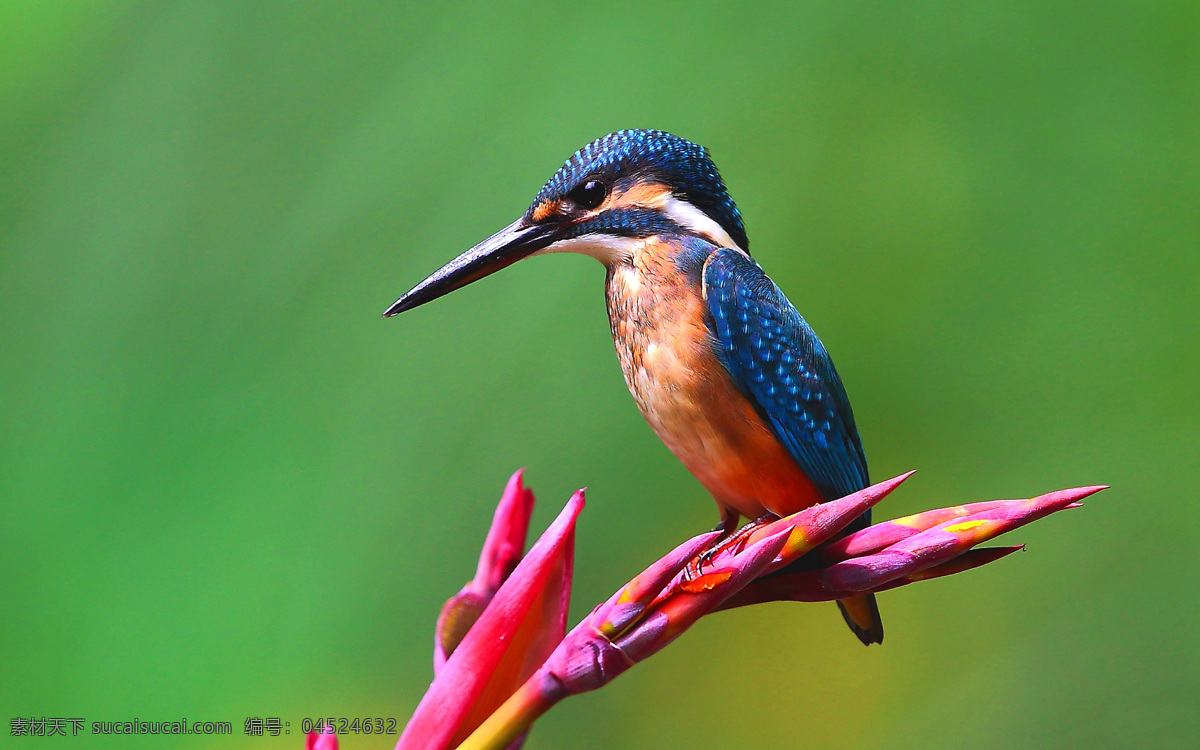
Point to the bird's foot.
(694, 579)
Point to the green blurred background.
(230, 489)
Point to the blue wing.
(781, 366)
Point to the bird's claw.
(730, 542)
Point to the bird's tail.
(862, 615)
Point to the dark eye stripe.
(627, 222)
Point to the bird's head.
(610, 194)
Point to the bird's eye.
(589, 195)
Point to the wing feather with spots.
(779, 363)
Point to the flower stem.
(515, 716)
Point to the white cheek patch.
(606, 248)
(611, 249)
(686, 215)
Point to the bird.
(722, 366)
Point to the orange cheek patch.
(544, 210)
(649, 194)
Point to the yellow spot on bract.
(964, 526)
(797, 544)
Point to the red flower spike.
(501, 552)
(663, 601)
(516, 632)
(945, 541)
(875, 538)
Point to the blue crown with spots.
(628, 156)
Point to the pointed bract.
(614, 616)
(516, 632)
(944, 541)
(881, 535)
(501, 552)
(505, 543)
(813, 526)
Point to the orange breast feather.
(657, 314)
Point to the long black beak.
(512, 243)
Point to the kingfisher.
(723, 368)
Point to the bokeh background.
(229, 489)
